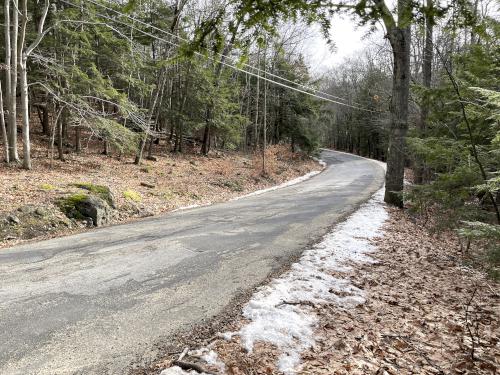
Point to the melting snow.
(307, 176)
(280, 313)
(176, 371)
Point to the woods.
(129, 75)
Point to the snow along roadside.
(281, 313)
(302, 178)
(295, 181)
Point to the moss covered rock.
(29, 221)
(83, 206)
(101, 191)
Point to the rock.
(99, 190)
(88, 222)
(82, 206)
(148, 185)
(28, 209)
(41, 212)
(152, 158)
(96, 209)
(145, 213)
(13, 219)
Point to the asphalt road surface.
(94, 302)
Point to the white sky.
(348, 38)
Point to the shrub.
(47, 187)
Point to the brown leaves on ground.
(425, 312)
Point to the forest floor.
(28, 199)
(386, 298)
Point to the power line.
(218, 53)
(219, 61)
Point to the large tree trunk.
(400, 42)
(22, 59)
(7, 77)
(25, 112)
(2, 126)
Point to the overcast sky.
(348, 39)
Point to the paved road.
(91, 303)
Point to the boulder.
(101, 191)
(85, 206)
(95, 208)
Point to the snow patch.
(305, 177)
(210, 357)
(281, 313)
(189, 207)
(175, 370)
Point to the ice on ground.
(280, 313)
(210, 357)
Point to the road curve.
(91, 303)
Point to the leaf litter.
(379, 295)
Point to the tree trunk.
(22, 59)
(60, 147)
(419, 169)
(264, 120)
(78, 137)
(12, 124)
(257, 97)
(7, 76)
(400, 42)
(25, 113)
(45, 120)
(106, 148)
(2, 126)
(205, 146)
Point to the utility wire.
(261, 71)
(221, 61)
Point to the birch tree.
(23, 54)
